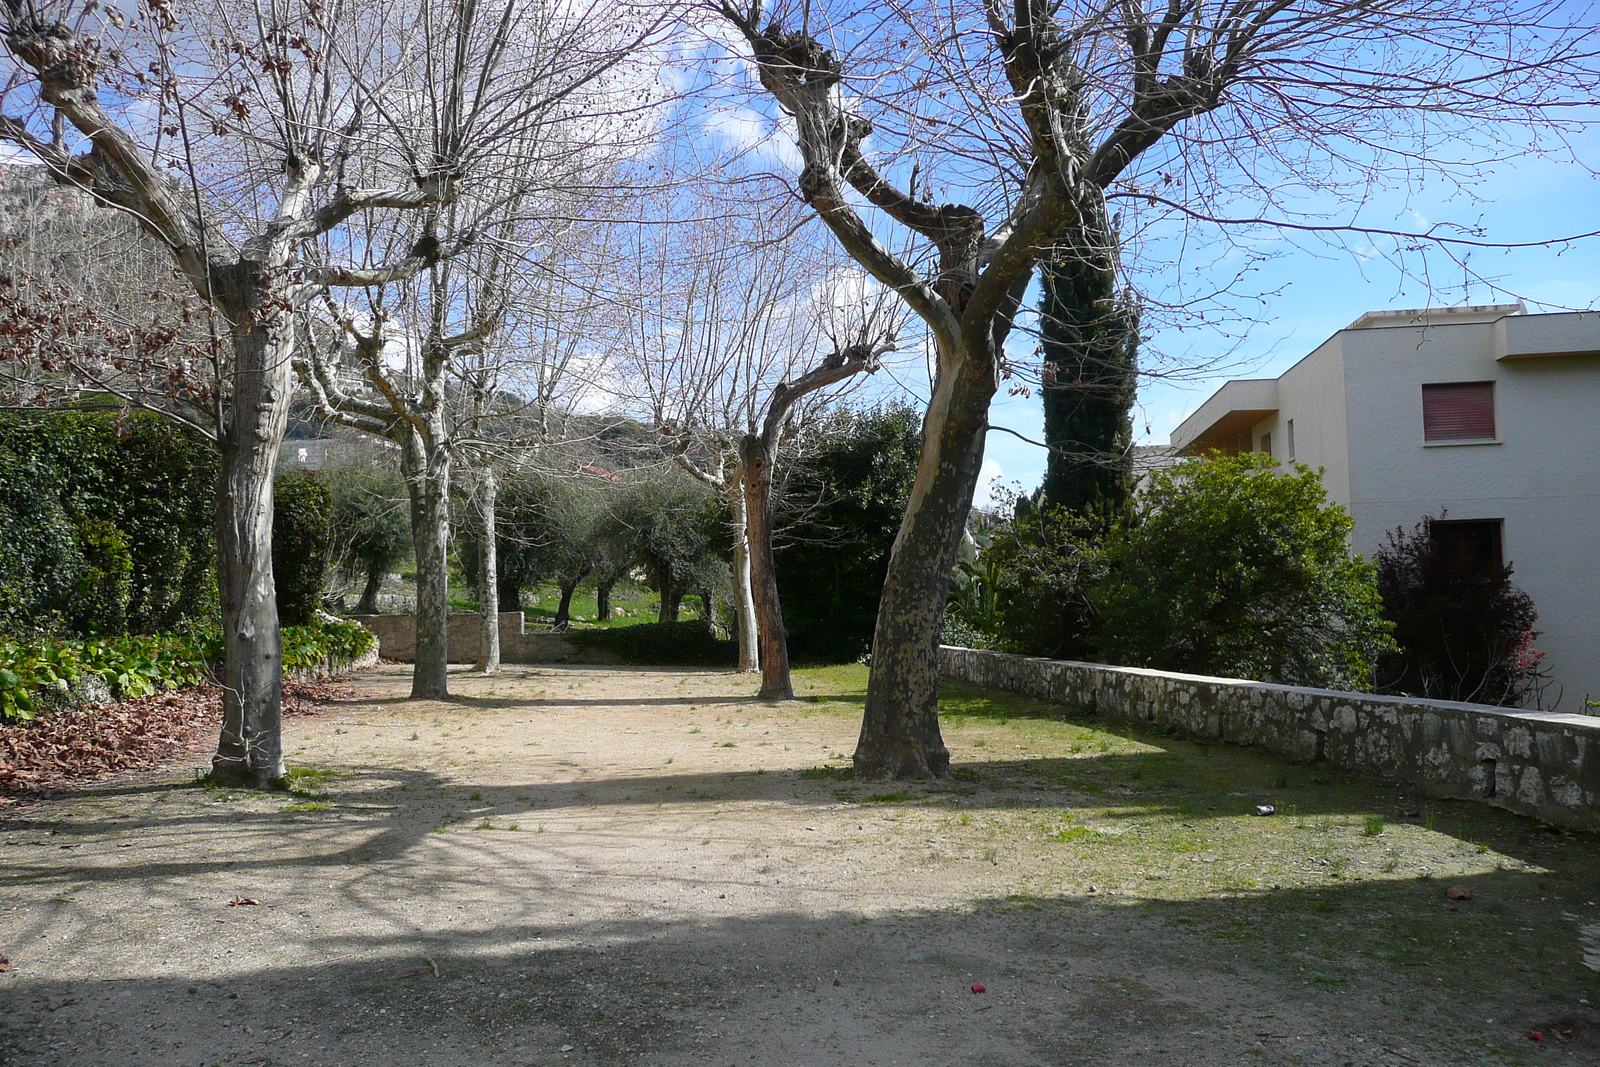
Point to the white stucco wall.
(1356, 402)
(1312, 394)
(1542, 478)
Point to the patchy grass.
(1349, 875)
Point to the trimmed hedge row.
(661, 644)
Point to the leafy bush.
(1464, 631)
(40, 561)
(1232, 568)
(1038, 575)
(131, 667)
(134, 667)
(302, 540)
(105, 583)
(667, 644)
(306, 646)
(69, 475)
(843, 501)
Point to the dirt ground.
(648, 868)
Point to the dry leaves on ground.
(95, 741)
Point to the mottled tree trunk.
(568, 586)
(602, 600)
(368, 604)
(900, 735)
(671, 602)
(755, 462)
(250, 748)
(426, 467)
(744, 601)
(488, 572)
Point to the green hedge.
(662, 644)
(134, 667)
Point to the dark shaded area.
(841, 507)
(1070, 979)
(79, 552)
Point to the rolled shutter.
(1458, 411)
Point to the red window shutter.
(1458, 411)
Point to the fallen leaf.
(242, 901)
(1457, 892)
(1534, 1035)
(5, 964)
(977, 988)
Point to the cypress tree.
(1090, 336)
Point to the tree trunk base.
(901, 760)
(776, 692)
(422, 690)
(238, 774)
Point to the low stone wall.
(397, 640)
(1541, 764)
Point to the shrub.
(1463, 631)
(138, 666)
(40, 561)
(154, 482)
(1041, 570)
(844, 498)
(105, 583)
(1231, 568)
(666, 644)
(306, 646)
(302, 538)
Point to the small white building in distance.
(1489, 414)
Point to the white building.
(1487, 413)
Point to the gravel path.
(587, 866)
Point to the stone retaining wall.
(397, 640)
(1542, 764)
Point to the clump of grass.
(1372, 825)
(1070, 833)
(307, 805)
(897, 797)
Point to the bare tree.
(1037, 114)
(726, 317)
(240, 142)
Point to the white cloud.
(750, 131)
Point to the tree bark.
(744, 601)
(368, 604)
(602, 601)
(426, 467)
(488, 573)
(250, 748)
(567, 586)
(671, 602)
(755, 462)
(900, 735)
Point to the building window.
(1458, 411)
(1478, 540)
(1289, 431)
(1266, 444)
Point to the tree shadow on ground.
(1356, 974)
(390, 810)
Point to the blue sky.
(1316, 290)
